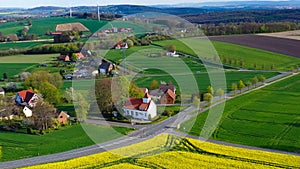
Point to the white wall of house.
(33, 100)
(142, 115)
(2, 93)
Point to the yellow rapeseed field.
(168, 151)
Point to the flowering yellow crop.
(167, 151)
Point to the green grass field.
(11, 28)
(19, 45)
(40, 26)
(18, 145)
(13, 69)
(203, 80)
(266, 118)
(16, 64)
(38, 58)
(249, 56)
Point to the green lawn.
(267, 118)
(249, 56)
(17, 145)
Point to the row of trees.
(208, 96)
(241, 84)
(248, 28)
(242, 63)
(220, 92)
(56, 48)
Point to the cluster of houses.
(145, 108)
(67, 57)
(112, 30)
(27, 99)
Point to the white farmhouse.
(140, 108)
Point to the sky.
(67, 3)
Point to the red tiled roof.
(136, 104)
(144, 106)
(171, 94)
(133, 103)
(79, 55)
(24, 92)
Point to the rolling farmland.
(267, 118)
(168, 151)
(252, 58)
(273, 44)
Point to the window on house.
(136, 113)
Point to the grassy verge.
(17, 145)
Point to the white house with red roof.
(26, 97)
(140, 108)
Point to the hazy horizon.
(68, 3)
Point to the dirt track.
(279, 45)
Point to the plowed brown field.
(279, 45)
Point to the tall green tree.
(234, 87)
(81, 106)
(43, 116)
(104, 95)
(241, 85)
(135, 91)
(220, 92)
(196, 102)
(49, 92)
(154, 85)
(208, 97)
(210, 90)
(255, 80)
(248, 84)
(262, 78)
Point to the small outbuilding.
(63, 118)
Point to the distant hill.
(47, 8)
(259, 16)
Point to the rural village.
(103, 89)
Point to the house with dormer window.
(140, 108)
